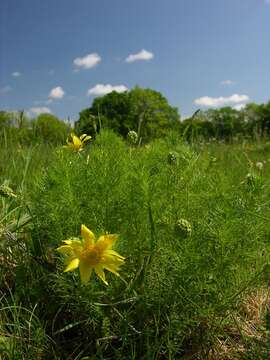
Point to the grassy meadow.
(193, 226)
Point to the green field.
(193, 226)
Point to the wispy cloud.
(33, 111)
(227, 82)
(16, 74)
(87, 62)
(5, 89)
(239, 106)
(141, 55)
(56, 93)
(103, 89)
(221, 101)
(43, 102)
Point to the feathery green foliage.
(177, 294)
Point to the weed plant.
(179, 290)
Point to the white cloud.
(239, 107)
(5, 89)
(221, 101)
(87, 61)
(102, 89)
(16, 74)
(184, 117)
(43, 102)
(227, 82)
(39, 110)
(56, 93)
(141, 55)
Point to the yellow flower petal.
(100, 273)
(112, 269)
(105, 242)
(88, 255)
(85, 272)
(75, 144)
(112, 252)
(68, 242)
(72, 241)
(76, 141)
(85, 137)
(65, 249)
(72, 265)
(108, 259)
(73, 248)
(87, 235)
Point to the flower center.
(77, 146)
(91, 255)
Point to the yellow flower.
(77, 143)
(88, 255)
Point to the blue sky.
(56, 55)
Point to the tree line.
(45, 128)
(145, 111)
(149, 114)
(228, 124)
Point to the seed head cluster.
(172, 157)
(132, 137)
(6, 191)
(183, 228)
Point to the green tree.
(228, 122)
(5, 123)
(257, 119)
(143, 110)
(110, 111)
(87, 123)
(197, 126)
(16, 126)
(151, 114)
(5, 120)
(50, 129)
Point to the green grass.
(178, 293)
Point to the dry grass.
(244, 327)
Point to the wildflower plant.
(259, 165)
(6, 191)
(77, 143)
(251, 179)
(88, 255)
(132, 137)
(177, 290)
(172, 157)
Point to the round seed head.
(183, 228)
(172, 157)
(132, 137)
